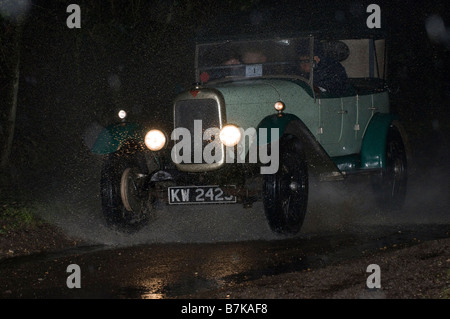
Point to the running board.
(333, 176)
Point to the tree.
(10, 85)
(12, 16)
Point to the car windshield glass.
(249, 59)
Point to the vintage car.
(256, 126)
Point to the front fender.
(112, 137)
(317, 158)
(280, 121)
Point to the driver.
(328, 74)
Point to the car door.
(348, 142)
(330, 124)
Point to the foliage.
(14, 217)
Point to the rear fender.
(373, 148)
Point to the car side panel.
(343, 121)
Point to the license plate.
(199, 195)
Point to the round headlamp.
(230, 135)
(155, 140)
(122, 114)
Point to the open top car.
(262, 117)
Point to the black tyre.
(390, 186)
(126, 200)
(286, 191)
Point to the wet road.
(173, 270)
(190, 250)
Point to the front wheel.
(126, 199)
(286, 191)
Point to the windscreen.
(250, 59)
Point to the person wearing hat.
(328, 74)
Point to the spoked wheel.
(126, 199)
(286, 191)
(390, 185)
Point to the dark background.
(136, 55)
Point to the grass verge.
(15, 216)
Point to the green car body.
(339, 124)
(317, 131)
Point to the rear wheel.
(286, 191)
(390, 185)
(126, 199)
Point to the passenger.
(250, 56)
(232, 61)
(233, 66)
(328, 74)
(253, 56)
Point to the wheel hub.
(130, 185)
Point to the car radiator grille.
(205, 110)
